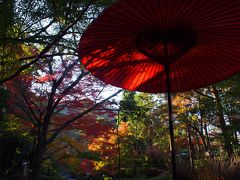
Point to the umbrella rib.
(203, 12)
(184, 65)
(117, 54)
(177, 83)
(155, 82)
(208, 67)
(190, 79)
(121, 12)
(138, 17)
(218, 10)
(129, 81)
(217, 54)
(147, 76)
(191, 13)
(139, 78)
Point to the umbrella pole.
(170, 119)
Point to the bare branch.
(100, 92)
(67, 69)
(43, 56)
(205, 95)
(30, 108)
(64, 125)
(69, 88)
(55, 151)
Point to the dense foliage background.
(57, 120)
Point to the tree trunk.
(37, 161)
(203, 128)
(199, 133)
(201, 119)
(235, 138)
(136, 159)
(208, 139)
(225, 132)
(190, 146)
(118, 147)
(40, 148)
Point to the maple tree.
(52, 99)
(106, 145)
(31, 39)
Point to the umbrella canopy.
(133, 40)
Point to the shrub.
(211, 169)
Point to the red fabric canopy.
(126, 46)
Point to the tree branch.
(43, 56)
(65, 124)
(205, 95)
(69, 88)
(49, 46)
(31, 109)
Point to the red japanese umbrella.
(164, 46)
